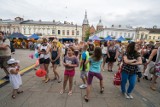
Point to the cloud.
(133, 12)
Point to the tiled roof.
(154, 30)
(38, 23)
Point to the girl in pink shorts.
(70, 62)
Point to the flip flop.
(102, 90)
(70, 93)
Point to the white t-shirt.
(45, 56)
(104, 49)
(6, 52)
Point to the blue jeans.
(132, 82)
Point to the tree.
(87, 35)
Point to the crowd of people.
(134, 59)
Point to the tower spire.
(85, 21)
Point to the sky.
(136, 13)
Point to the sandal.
(47, 80)
(102, 90)
(59, 80)
(19, 92)
(13, 96)
(70, 93)
(54, 79)
(85, 98)
(62, 91)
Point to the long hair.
(131, 49)
(97, 55)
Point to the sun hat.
(12, 61)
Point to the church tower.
(100, 26)
(85, 26)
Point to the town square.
(79, 53)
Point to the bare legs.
(45, 67)
(153, 85)
(104, 61)
(56, 73)
(88, 90)
(66, 78)
(110, 66)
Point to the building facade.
(117, 31)
(42, 28)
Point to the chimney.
(119, 25)
(65, 22)
(0, 19)
(40, 20)
(112, 25)
(54, 21)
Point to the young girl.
(95, 70)
(70, 62)
(14, 76)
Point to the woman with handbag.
(156, 73)
(129, 68)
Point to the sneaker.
(126, 95)
(83, 86)
(130, 96)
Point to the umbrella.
(121, 39)
(17, 35)
(108, 38)
(34, 36)
(40, 73)
(95, 38)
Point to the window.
(132, 35)
(67, 32)
(53, 32)
(29, 30)
(24, 30)
(107, 33)
(111, 33)
(158, 37)
(120, 34)
(72, 32)
(129, 35)
(125, 34)
(153, 37)
(142, 36)
(63, 32)
(77, 32)
(115, 33)
(59, 32)
(149, 37)
(146, 36)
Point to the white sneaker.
(126, 95)
(130, 96)
(83, 86)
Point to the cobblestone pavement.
(40, 94)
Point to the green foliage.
(87, 35)
(128, 38)
(101, 37)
